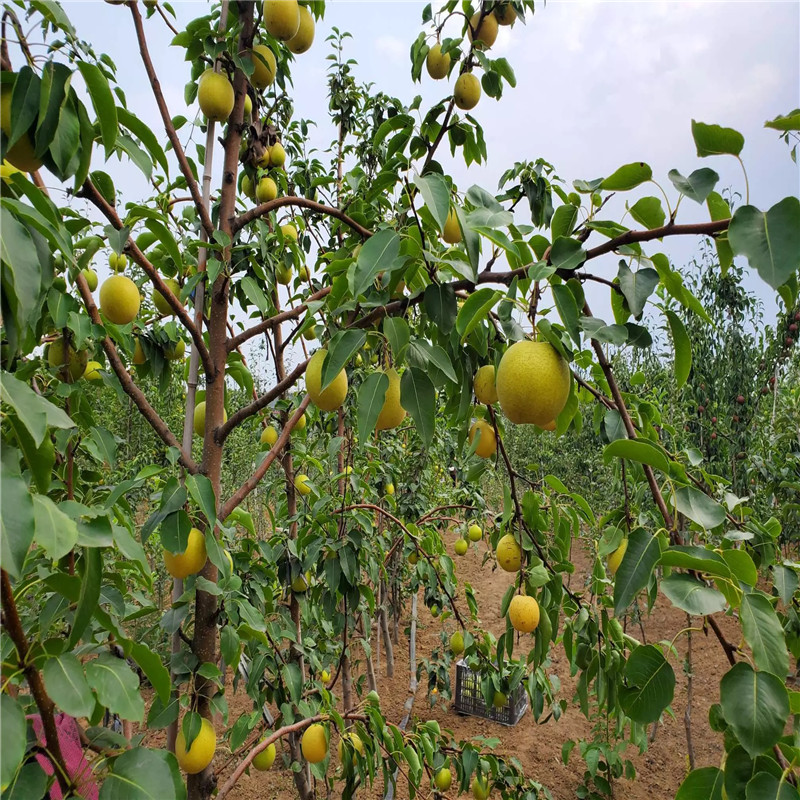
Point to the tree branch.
(261, 402)
(90, 192)
(13, 627)
(302, 202)
(172, 134)
(131, 389)
(236, 498)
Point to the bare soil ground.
(660, 769)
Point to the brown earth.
(660, 769)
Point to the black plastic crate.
(469, 698)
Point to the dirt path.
(659, 770)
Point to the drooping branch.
(239, 495)
(90, 192)
(13, 626)
(301, 202)
(131, 389)
(261, 402)
(166, 118)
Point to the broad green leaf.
(426, 354)
(379, 253)
(147, 137)
(568, 310)
(371, 395)
(293, 680)
(788, 122)
(698, 186)
(673, 283)
(682, 345)
(21, 271)
(770, 240)
(101, 444)
(472, 242)
(441, 306)
(628, 177)
(12, 732)
(563, 221)
(30, 781)
(699, 507)
(719, 209)
(636, 568)
(648, 211)
(691, 595)
(755, 705)
(40, 460)
(764, 633)
(638, 450)
(649, 684)
(89, 595)
(150, 663)
(341, 348)
(567, 253)
(785, 581)
(55, 531)
(103, 102)
(475, 310)
(741, 566)
(66, 684)
(702, 784)
(697, 558)
(117, 686)
(714, 140)
(418, 397)
(142, 774)
(765, 786)
(202, 492)
(167, 240)
(174, 531)
(398, 335)
(637, 286)
(436, 194)
(17, 519)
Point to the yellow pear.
(215, 95)
(314, 743)
(509, 554)
(277, 155)
(266, 190)
(505, 14)
(265, 759)
(333, 395)
(392, 413)
(201, 753)
(452, 230)
(615, 559)
(199, 420)
(485, 389)
(191, 560)
(119, 299)
(160, 301)
(487, 446)
(523, 612)
(304, 38)
(282, 18)
(533, 383)
(301, 484)
(265, 67)
(485, 30)
(467, 91)
(437, 63)
(289, 232)
(92, 371)
(269, 436)
(22, 155)
(70, 363)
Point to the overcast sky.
(600, 84)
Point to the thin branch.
(131, 389)
(239, 495)
(302, 202)
(90, 192)
(172, 134)
(261, 402)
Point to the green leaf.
(55, 531)
(699, 507)
(117, 686)
(765, 786)
(436, 194)
(21, 271)
(426, 354)
(202, 492)
(764, 633)
(713, 140)
(66, 684)
(341, 348)
(636, 568)
(638, 450)
(701, 559)
(475, 310)
(755, 705)
(785, 581)
(698, 186)
(90, 593)
(441, 306)
(147, 137)
(293, 680)
(650, 684)
(30, 781)
(563, 222)
(379, 253)
(102, 445)
(40, 460)
(13, 733)
(637, 286)
(567, 253)
(787, 122)
(770, 240)
(150, 663)
(17, 521)
(648, 211)
(568, 310)
(418, 397)
(719, 209)
(682, 345)
(142, 774)
(741, 566)
(167, 240)
(702, 784)
(103, 102)
(370, 402)
(691, 595)
(628, 177)
(24, 104)
(398, 334)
